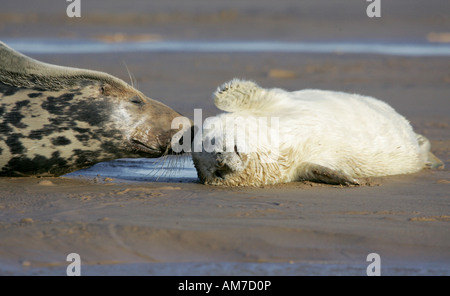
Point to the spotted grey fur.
(55, 120)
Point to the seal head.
(55, 120)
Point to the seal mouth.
(144, 148)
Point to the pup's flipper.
(319, 173)
(237, 95)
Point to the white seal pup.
(323, 136)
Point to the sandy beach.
(145, 227)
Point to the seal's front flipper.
(319, 173)
(237, 95)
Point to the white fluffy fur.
(352, 135)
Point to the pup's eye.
(137, 101)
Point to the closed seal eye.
(137, 101)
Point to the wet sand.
(403, 218)
(124, 227)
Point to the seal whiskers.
(132, 78)
(167, 166)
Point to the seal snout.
(222, 169)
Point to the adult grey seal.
(55, 120)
